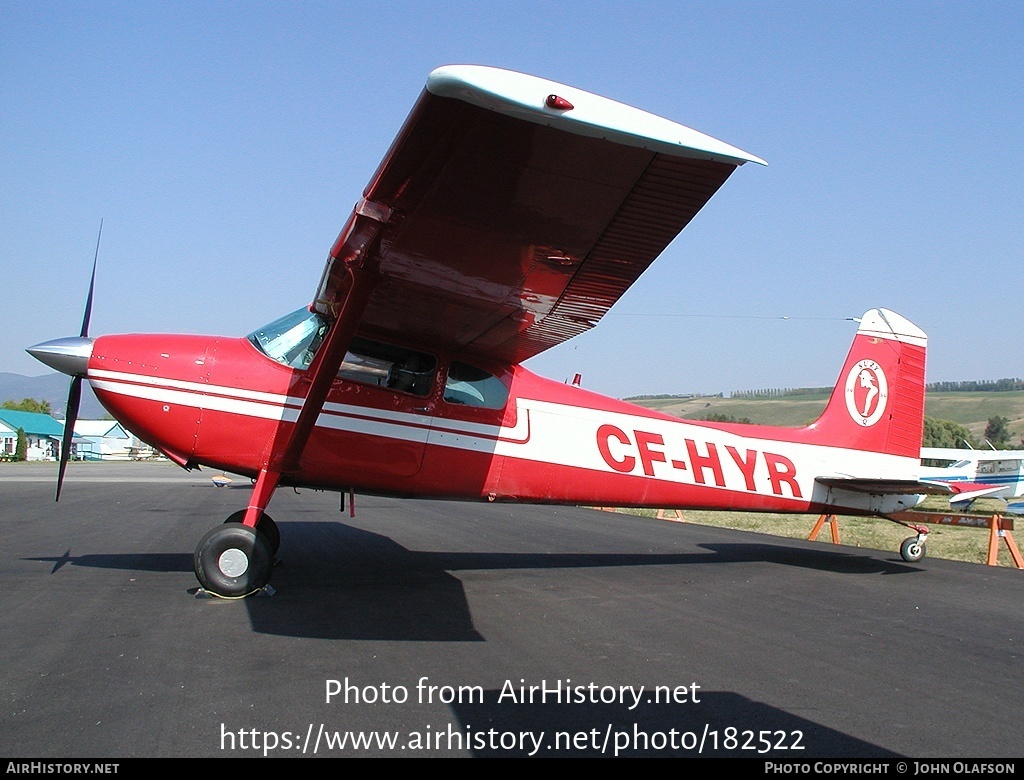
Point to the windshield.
(292, 340)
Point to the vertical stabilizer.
(878, 403)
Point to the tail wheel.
(912, 550)
(265, 526)
(233, 560)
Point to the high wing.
(511, 212)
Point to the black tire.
(912, 550)
(233, 561)
(265, 526)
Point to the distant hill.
(52, 388)
(974, 409)
(970, 409)
(789, 412)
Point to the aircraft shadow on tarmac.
(736, 724)
(335, 581)
(156, 562)
(821, 559)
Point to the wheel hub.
(233, 562)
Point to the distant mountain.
(52, 388)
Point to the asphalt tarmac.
(438, 628)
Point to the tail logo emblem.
(867, 392)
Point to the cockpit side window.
(294, 339)
(471, 386)
(372, 363)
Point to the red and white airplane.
(508, 216)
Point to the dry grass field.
(970, 409)
(954, 543)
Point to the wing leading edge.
(502, 222)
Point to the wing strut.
(352, 266)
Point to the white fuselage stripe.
(277, 406)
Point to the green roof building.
(42, 432)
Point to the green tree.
(21, 447)
(998, 431)
(945, 433)
(27, 405)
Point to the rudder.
(878, 403)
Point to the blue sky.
(225, 143)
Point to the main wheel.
(265, 526)
(912, 550)
(233, 560)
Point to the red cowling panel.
(506, 237)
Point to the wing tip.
(524, 96)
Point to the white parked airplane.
(973, 474)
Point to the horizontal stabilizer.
(880, 487)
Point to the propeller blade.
(74, 398)
(75, 352)
(92, 284)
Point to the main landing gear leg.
(235, 559)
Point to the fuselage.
(402, 421)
